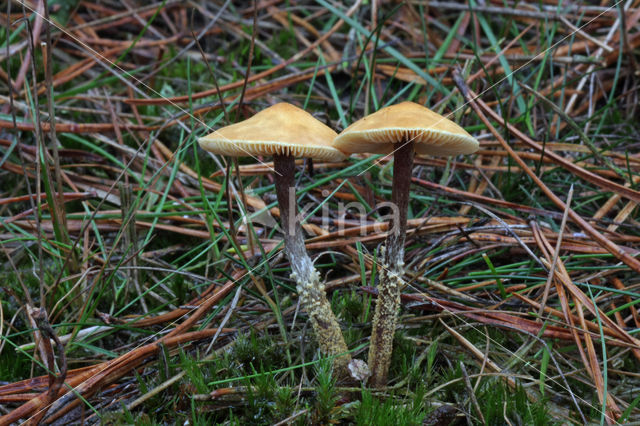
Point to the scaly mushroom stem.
(391, 269)
(310, 289)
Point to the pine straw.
(130, 205)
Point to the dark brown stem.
(391, 269)
(402, 168)
(310, 288)
(301, 264)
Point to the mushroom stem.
(310, 289)
(391, 269)
(402, 168)
(284, 166)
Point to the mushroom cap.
(282, 129)
(381, 131)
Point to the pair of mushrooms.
(287, 132)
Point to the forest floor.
(142, 279)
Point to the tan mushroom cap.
(383, 130)
(280, 129)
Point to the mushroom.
(288, 132)
(403, 129)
